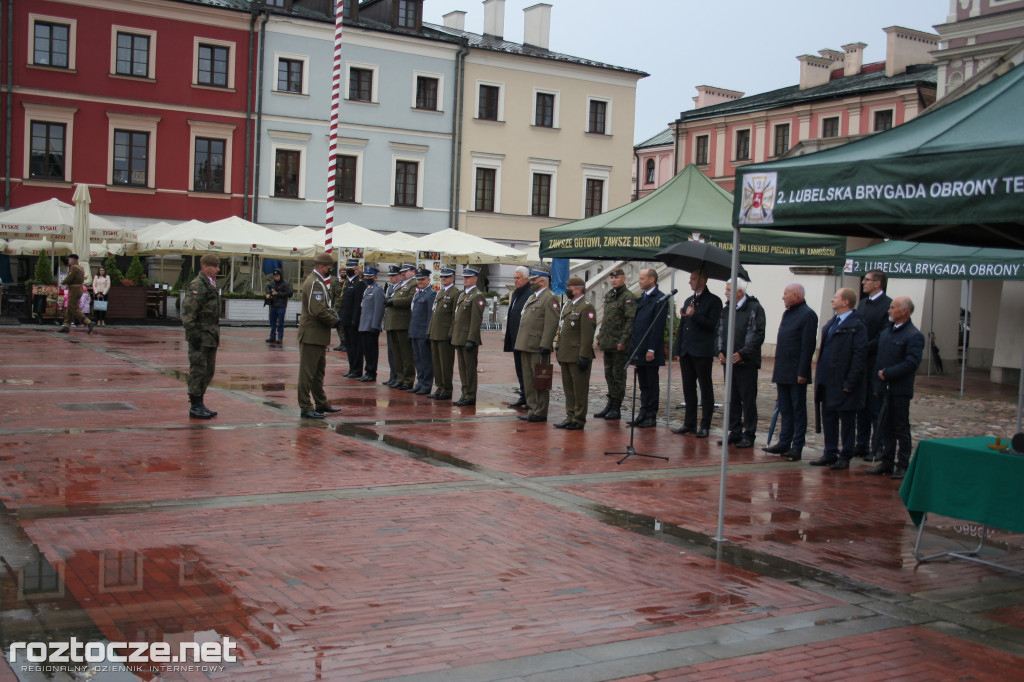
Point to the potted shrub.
(44, 287)
(127, 298)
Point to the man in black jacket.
(278, 293)
(794, 349)
(648, 346)
(899, 355)
(874, 308)
(746, 361)
(516, 299)
(839, 382)
(349, 314)
(695, 347)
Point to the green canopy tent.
(689, 206)
(916, 260)
(954, 175)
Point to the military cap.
(576, 282)
(393, 270)
(617, 272)
(540, 270)
(406, 267)
(351, 263)
(370, 272)
(323, 259)
(422, 273)
(208, 259)
(446, 272)
(469, 272)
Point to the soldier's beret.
(469, 272)
(446, 272)
(576, 282)
(422, 273)
(208, 259)
(323, 259)
(617, 272)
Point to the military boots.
(604, 413)
(614, 405)
(197, 411)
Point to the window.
(598, 113)
(830, 127)
(212, 69)
(131, 158)
(426, 93)
(649, 172)
(485, 179)
(700, 156)
(286, 173)
(360, 85)
(345, 180)
(545, 112)
(540, 204)
(274, 3)
(595, 198)
(51, 44)
(488, 109)
(409, 14)
(781, 139)
(289, 75)
(743, 145)
(406, 181)
(47, 151)
(208, 165)
(883, 120)
(132, 58)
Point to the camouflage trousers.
(615, 373)
(202, 363)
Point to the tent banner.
(936, 261)
(984, 186)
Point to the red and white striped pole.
(332, 151)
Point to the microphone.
(664, 297)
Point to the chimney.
(455, 19)
(905, 46)
(708, 95)
(494, 18)
(854, 58)
(537, 25)
(814, 71)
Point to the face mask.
(349, 272)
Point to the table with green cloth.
(963, 478)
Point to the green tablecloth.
(963, 478)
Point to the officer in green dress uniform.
(442, 352)
(536, 338)
(200, 315)
(315, 325)
(574, 348)
(614, 339)
(469, 316)
(397, 326)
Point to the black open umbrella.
(716, 263)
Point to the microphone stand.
(630, 450)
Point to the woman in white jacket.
(100, 289)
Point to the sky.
(745, 45)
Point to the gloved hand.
(545, 350)
(470, 345)
(583, 363)
(195, 342)
(388, 302)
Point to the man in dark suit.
(794, 349)
(349, 314)
(648, 347)
(899, 355)
(419, 323)
(695, 348)
(839, 382)
(874, 308)
(515, 314)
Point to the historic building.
(978, 36)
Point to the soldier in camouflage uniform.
(613, 340)
(200, 315)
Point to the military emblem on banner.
(758, 203)
(848, 268)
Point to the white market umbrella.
(55, 220)
(33, 247)
(460, 247)
(80, 231)
(375, 247)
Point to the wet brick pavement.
(407, 538)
